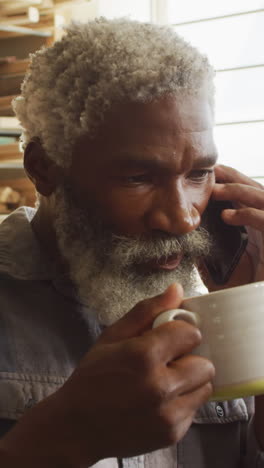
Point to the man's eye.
(136, 179)
(200, 175)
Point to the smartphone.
(229, 242)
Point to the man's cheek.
(125, 218)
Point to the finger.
(245, 216)
(241, 194)
(184, 408)
(195, 399)
(171, 340)
(141, 317)
(190, 373)
(229, 174)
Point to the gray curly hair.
(70, 86)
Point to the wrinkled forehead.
(177, 114)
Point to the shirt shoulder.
(21, 256)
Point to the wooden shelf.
(10, 132)
(12, 31)
(11, 84)
(14, 4)
(8, 172)
(9, 7)
(22, 185)
(13, 66)
(22, 32)
(10, 152)
(9, 124)
(5, 106)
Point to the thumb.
(139, 319)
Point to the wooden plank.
(11, 84)
(9, 123)
(24, 16)
(7, 112)
(9, 132)
(7, 30)
(59, 2)
(11, 151)
(6, 100)
(14, 3)
(47, 25)
(14, 166)
(15, 6)
(46, 21)
(23, 186)
(21, 46)
(17, 66)
(7, 59)
(11, 173)
(5, 106)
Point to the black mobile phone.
(229, 242)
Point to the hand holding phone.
(229, 242)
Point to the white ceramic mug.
(232, 326)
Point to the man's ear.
(44, 173)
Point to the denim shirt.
(43, 336)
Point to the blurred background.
(230, 32)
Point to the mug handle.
(176, 314)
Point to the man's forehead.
(170, 114)
(190, 112)
(154, 132)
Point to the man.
(117, 124)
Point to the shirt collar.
(21, 256)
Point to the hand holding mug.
(232, 326)
(137, 390)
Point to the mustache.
(126, 251)
(139, 250)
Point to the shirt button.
(219, 410)
(31, 402)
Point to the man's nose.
(173, 211)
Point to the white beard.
(103, 266)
